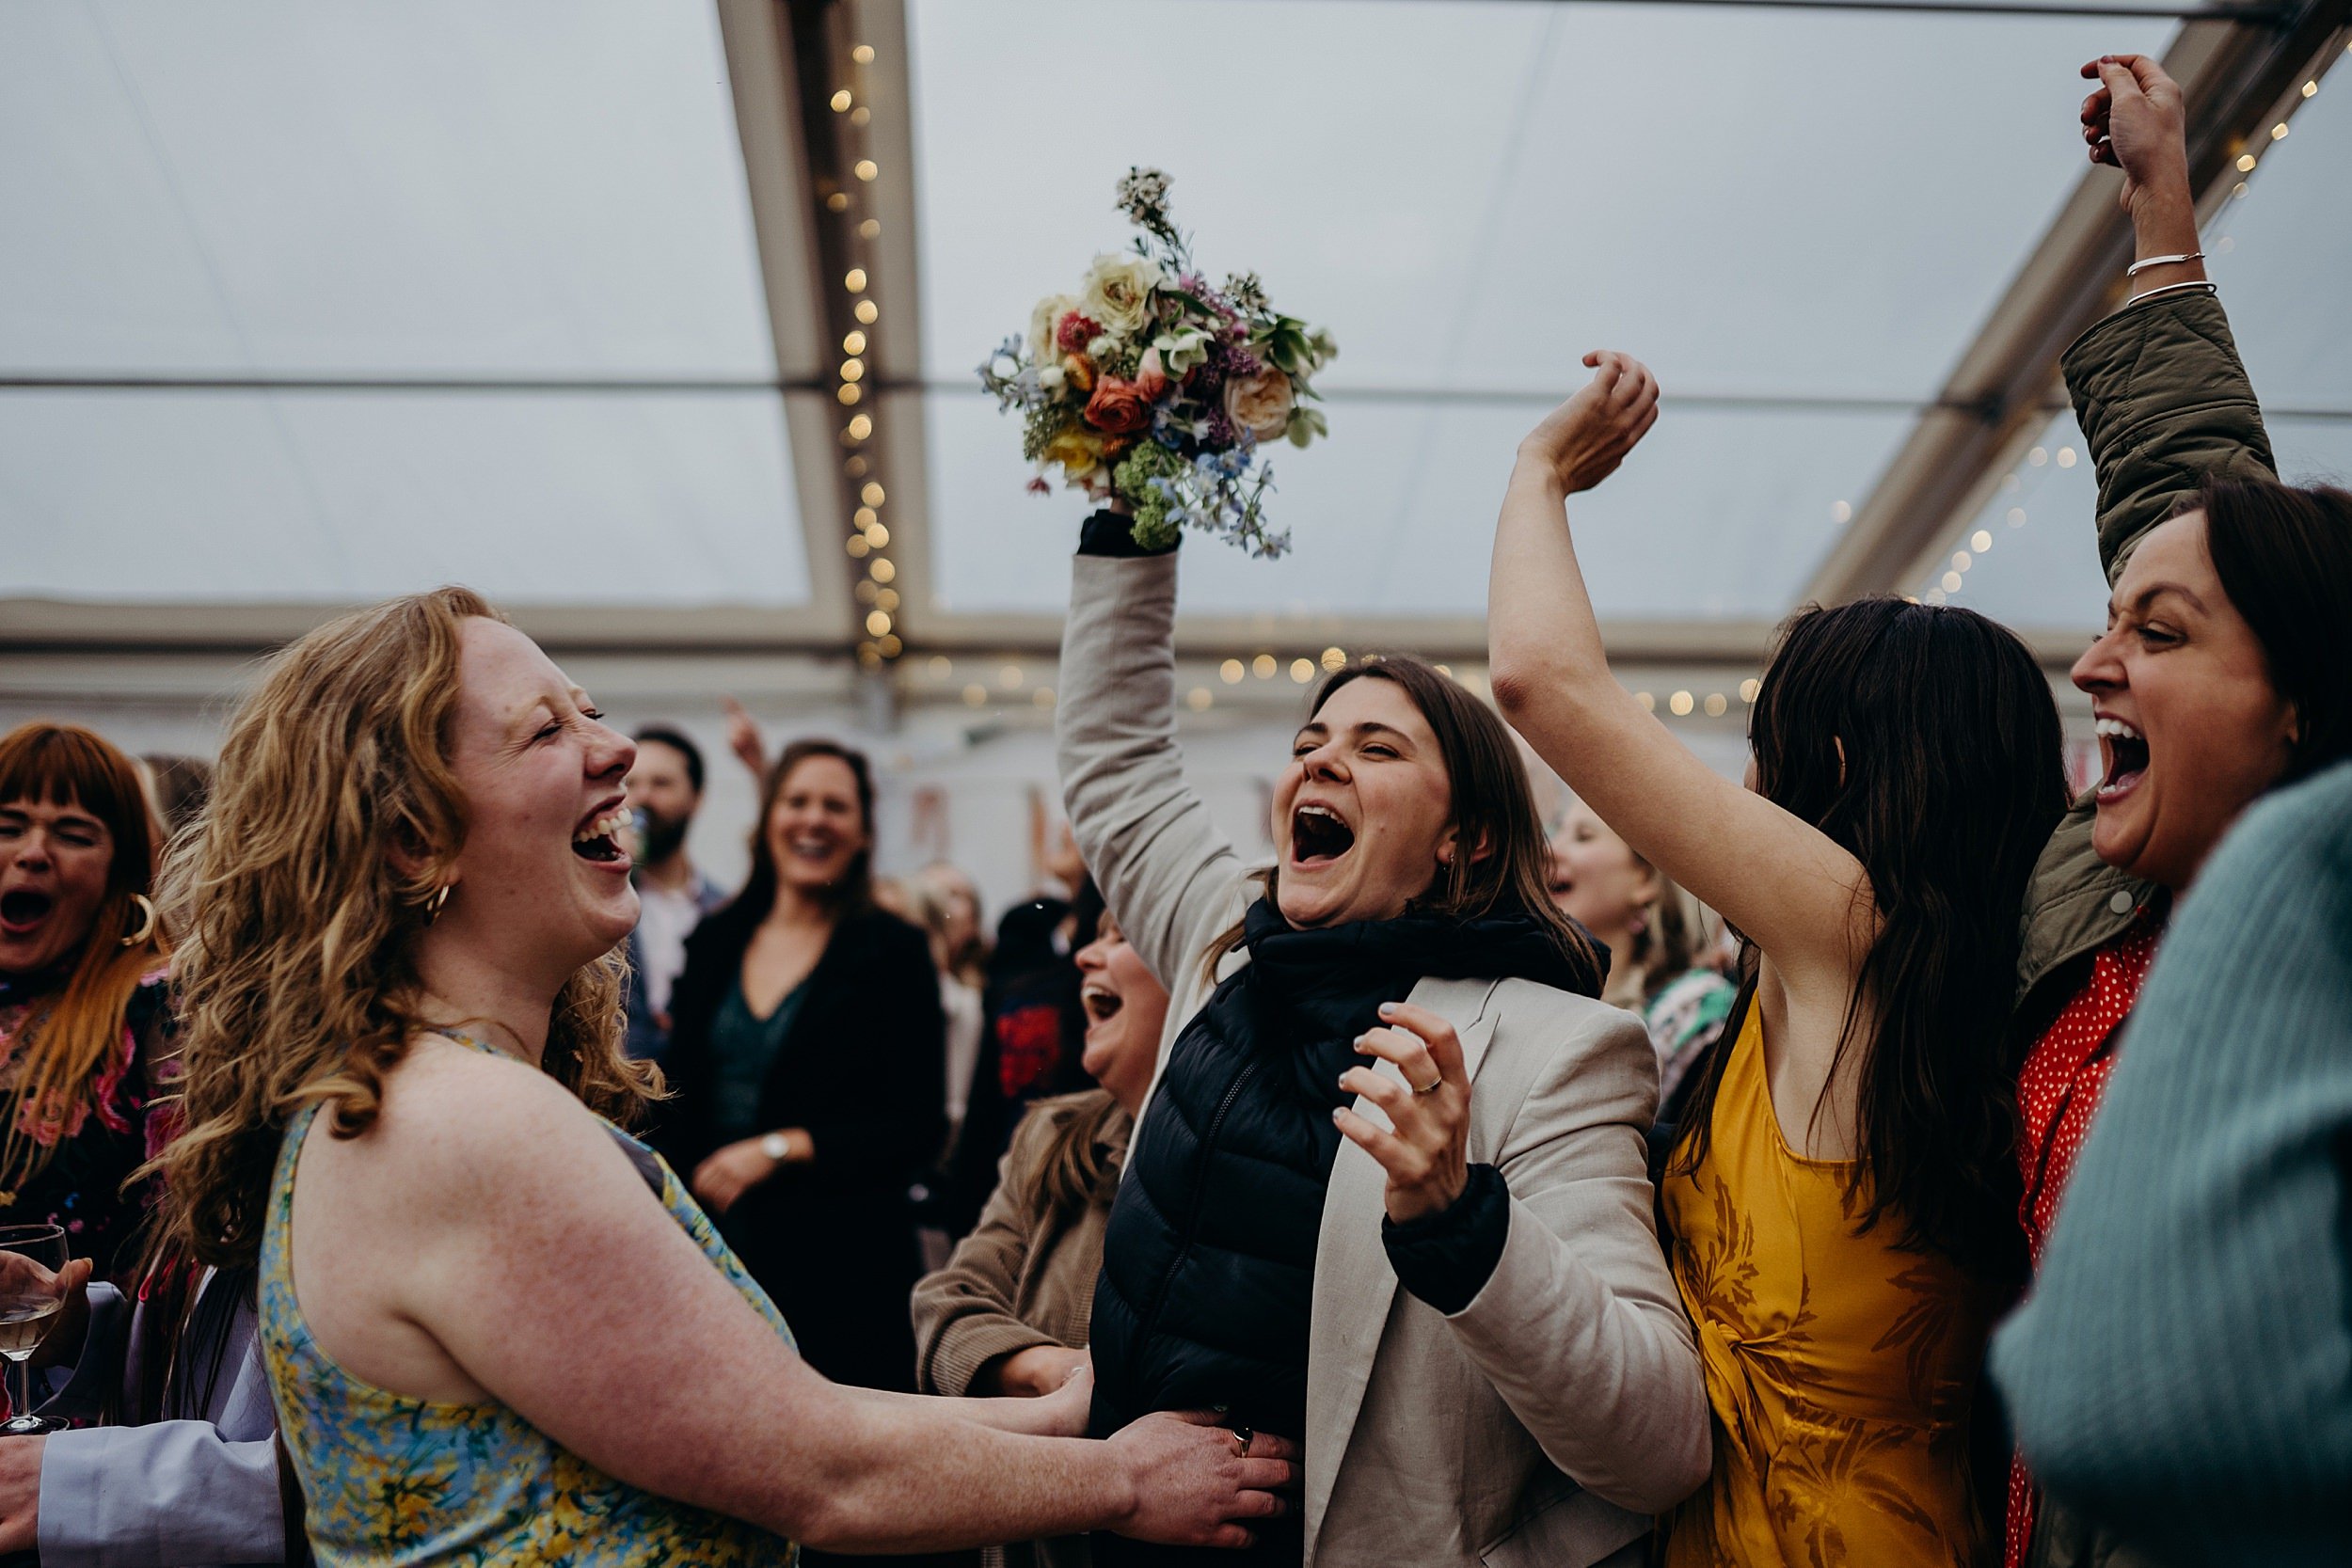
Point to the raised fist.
(1584, 439)
(2136, 122)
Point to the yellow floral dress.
(390, 1482)
(1839, 1369)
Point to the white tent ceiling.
(438, 192)
(2279, 254)
(305, 305)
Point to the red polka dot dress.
(2057, 1095)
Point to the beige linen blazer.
(1547, 1420)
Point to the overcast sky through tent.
(1800, 217)
(1766, 205)
(547, 188)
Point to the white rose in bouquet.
(1117, 295)
(1042, 320)
(1182, 349)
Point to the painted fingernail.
(1387, 1009)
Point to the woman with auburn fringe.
(83, 1024)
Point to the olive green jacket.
(2163, 402)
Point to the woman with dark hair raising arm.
(2218, 680)
(1840, 1194)
(1388, 1192)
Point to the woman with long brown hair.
(83, 1023)
(1841, 1190)
(807, 1052)
(516, 1339)
(1389, 1190)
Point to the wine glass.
(32, 1294)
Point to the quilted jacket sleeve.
(2163, 401)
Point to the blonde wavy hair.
(295, 972)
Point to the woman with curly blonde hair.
(516, 1339)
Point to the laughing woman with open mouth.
(806, 1050)
(1388, 1192)
(2218, 679)
(83, 1019)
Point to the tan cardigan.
(1024, 1277)
(1026, 1274)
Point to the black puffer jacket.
(1208, 1265)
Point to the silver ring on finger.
(1241, 1439)
(1436, 1083)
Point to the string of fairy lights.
(857, 315)
(1948, 575)
(1012, 684)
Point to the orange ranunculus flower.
(1079, 370)
(1117, 407)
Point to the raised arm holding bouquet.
(1151, 388)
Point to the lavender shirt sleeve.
(174, 1494)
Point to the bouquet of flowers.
(1151, 384)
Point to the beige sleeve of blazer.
(964, 1313)
(1171, 879)
(1580, 1328)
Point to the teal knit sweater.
(2183, 1371)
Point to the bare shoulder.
(478, 1178)
(456, 1121)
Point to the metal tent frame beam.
(2236, 77)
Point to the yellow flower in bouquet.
(1079, 451)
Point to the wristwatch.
(776, 1147)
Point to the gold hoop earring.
(147, 920)
(433, 905)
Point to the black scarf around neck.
(1301, 968)
(1306, 994)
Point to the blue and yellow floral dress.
(396, 1482)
